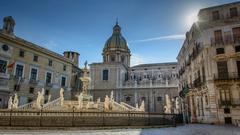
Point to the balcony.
(4, 76)
(225, 40)
(230, 102)
(226, 76)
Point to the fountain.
(84, 101)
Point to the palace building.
(209, 66)
(26, 68)
(132, 85)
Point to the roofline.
(34, 47)
(217, 6)
(170, 63)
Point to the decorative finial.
(85, 64)
(117, 21)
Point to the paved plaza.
(192, 129)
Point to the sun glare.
(190, 19)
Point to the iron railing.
(230, 102)
(225, 40)
(227, 76)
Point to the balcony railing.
(225, 40)
(227, 76)
(3, 82)
(4, 76)
(230, 102)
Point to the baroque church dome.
(116, 49)
(116, 40)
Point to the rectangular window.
(220, 51)
(237, 48)
(159, 98)
(226, 110)
(64, 67)
(19, 71)
(236, 34)
(238, 68)
(3, 66)
(215, 15)
(35, 58)
(233, 12)
(105, 75)
(222, 70)
(225, 95)
(49, 63)
(31, 90)
(63, 81)
(218, 36)
(33, 74)
(46, 92)
(128, 99)
(48, 78)
(21, 53)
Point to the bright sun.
(190, 19)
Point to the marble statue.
(136, 106)
(142, 106)
(61, 96)
(42, 96)
(15, 101)
(38, 101)
(98, 100)
(10, 103)
(111, 103)
(111, 97)
(85, 64)
(80, 101)
(168, 105)
(177, 105)
(49, 98)
(106, 103)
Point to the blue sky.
(154, 29)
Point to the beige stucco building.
(209, 66)
(26, 68)
(132, 85)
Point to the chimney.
(8, 25)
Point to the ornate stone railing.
(129, 106)
(118, 107)
(27, 106)
(52, 104)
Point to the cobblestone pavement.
(192, 129)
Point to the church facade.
(132, 85)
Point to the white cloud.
(137, 59)
(168, 37)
